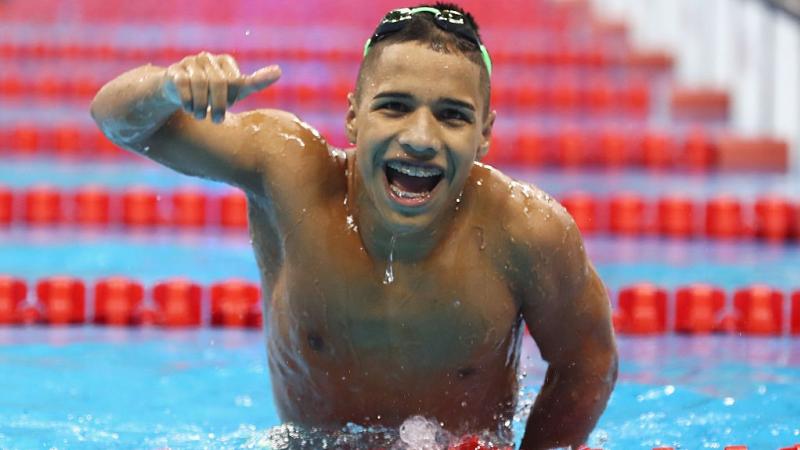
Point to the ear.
(351, 129)
(486, 135)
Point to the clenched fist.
(206, 82)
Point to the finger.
(259, 80)
(217, 90)
(234, 76)
(183, 88)
(199, 83)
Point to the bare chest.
(333, 302)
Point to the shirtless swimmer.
(398, 275)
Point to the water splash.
(388, 276)
(419, 433)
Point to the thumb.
(258, 80)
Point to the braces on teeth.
(415, 171)
(401, 193)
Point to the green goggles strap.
(484, 53)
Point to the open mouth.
(411, 184)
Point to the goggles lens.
(448, 20)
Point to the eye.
(394, 106)
(454, 115)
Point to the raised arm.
(177, 116)
(568, 313)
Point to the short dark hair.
(421, 28)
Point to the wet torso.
(355, 339)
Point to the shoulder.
(529, 216)
(283, 136)
(537, 234)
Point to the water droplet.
(351, 225)
(146, 149)
(464, 404)
(388, 276)
(247, 32)
(482, 240)
(457, 303)
(289, 137)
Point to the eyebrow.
(407, 96)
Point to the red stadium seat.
(117, 301)
(752, 154)
(177, 303)
(759, 310)
(600, 96)
(698, 151)
(700, 104)
(698, 308)
(62, 300)
(644, 309)
(635, 96)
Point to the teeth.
(414, 170)
(403, 194)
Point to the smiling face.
(419, 124)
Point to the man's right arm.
(177, 117)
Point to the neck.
(384, 241)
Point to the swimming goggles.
(446, 19)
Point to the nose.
(420, 138)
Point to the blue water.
(106, 388)
(146, 388)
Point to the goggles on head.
(448, 20)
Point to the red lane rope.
(770, 218)
(122, 301)
(558, 53)
(564, 147)
(642, 308)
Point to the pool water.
(93, 387)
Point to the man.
(397, 275)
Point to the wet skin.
(376, 310)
